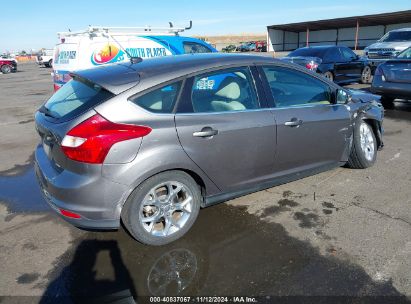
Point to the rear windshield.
(396, 36)
(75, 97)
(308, 52)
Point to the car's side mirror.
(343, 97)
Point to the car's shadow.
(399, 110)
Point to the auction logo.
(107, 54)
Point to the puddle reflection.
(21, 192)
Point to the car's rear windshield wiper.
(47, 112)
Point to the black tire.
(5, 69)
(359, 159)
(329, 75)
(50, 63)
(387, 102)
(366, 75)
(131, 213)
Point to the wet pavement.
(20, 192)
(320, 236)
(227, 252)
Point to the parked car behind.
(261, 46)
(337, 63)
(389, 46)
(229, 48)
(392, 79)
(153, 142)
(45, 58)
(8, 65)
(246, 47)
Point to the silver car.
(389, 46)
(151, 143)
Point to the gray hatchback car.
(151, 143)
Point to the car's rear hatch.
(397, 71)
(68, 107)
(75, 102)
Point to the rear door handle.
(206, 132)
(294, 122)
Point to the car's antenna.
(133, 59)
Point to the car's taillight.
(379, 72)
(91, 140)
(311, 66)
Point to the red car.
(8, 65)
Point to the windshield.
(308, 52)
(396, 36)
(75, 97)
(406, 54)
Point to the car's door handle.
(205, 132)
(294, 122)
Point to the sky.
(32, 24)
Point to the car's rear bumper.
(391, 89)
(96, 199)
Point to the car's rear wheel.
(163, 208)
(329, 75)
(364, 148)
(50, 63)
(5, 69)
(366, 75)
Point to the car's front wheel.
(364, 147)
(163, 208)
(5, 69)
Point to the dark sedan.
(337, 63)
(392, 79)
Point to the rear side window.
(225, 90)
(347, 54)
(333, 55)
(75, 97)
(193, 48)
(160, 100)
(292, 88)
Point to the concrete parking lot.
(339, 233)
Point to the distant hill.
(220, 41)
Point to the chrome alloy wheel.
(166, 208)
(367, 141)
(366, 75)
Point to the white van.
(45, 57)
(102, 45)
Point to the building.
(355, 32)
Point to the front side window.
(291, 88)
(193, 48)
(75, 97)
(160, 100)
(405, 54)
(224, 90)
